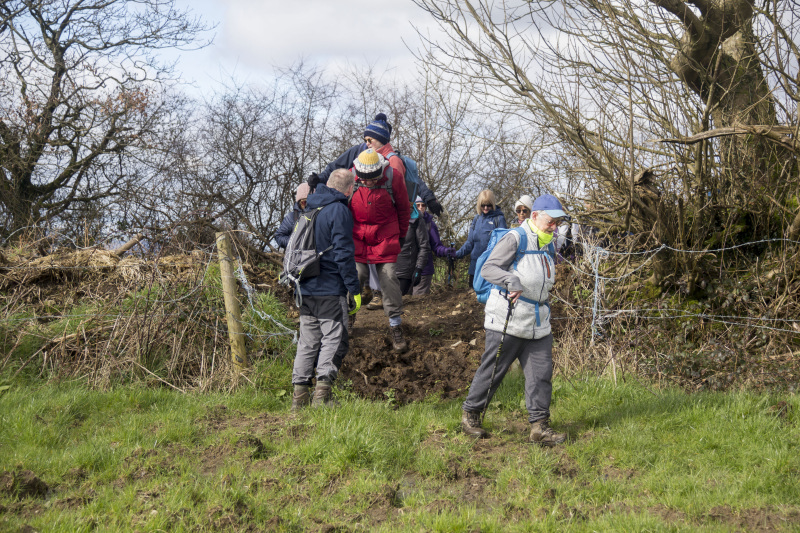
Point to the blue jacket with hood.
(287, 226)
(334, 225)
(479, 232)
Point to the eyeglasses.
(554, 222)
(523, 210)
(421, 205)
(487, 205)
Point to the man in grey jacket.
(518, 305)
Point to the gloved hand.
(417, 277)
(353, 303)
(402, 242)
(451, 252)
(313, 181)
(435, 207)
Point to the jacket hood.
(324, 195)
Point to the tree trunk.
(718, 60)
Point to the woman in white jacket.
(518, 306)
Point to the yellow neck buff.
(544, 237)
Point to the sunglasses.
(523, 210)
(487, 205)
(555, 222)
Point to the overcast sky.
(254, 36)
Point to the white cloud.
(254, 36)
(266, 33)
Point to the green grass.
(136, 458)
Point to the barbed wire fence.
(165, 298)
(156, 301)
(595, 255)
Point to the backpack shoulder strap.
(386, 185)
(523, 243)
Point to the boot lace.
(397, 334)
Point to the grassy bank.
(143, 459)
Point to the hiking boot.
(542, 433)
(366, 295)
(398, 342)
(471, 425)
(301, 397)
(351, 321)
(323, 396)
(376, 302)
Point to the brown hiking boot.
(376, 302)
(542, 433)
(301, 397)
(471, 425)
(398, 342)
(366, 296)
(323, 396)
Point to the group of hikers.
(373, 240)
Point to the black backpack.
(301, 259)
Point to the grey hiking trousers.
(536, 359)
(390, 286)
(323, 339)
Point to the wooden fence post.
(232, 312)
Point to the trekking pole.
(497, 355)
(451, 267)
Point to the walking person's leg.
(392, 303)
(331, 313)
(307, 350)
(482, 388)
(375, 285)
(536, 360)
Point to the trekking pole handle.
(507, 296)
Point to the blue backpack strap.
(522, 248)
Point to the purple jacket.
(436, 243)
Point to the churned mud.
(444, 332)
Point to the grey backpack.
(301, 259)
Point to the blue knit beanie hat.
(379, 129)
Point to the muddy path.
(445, 336)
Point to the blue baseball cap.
(550, 205)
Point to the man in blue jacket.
(327, 298)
